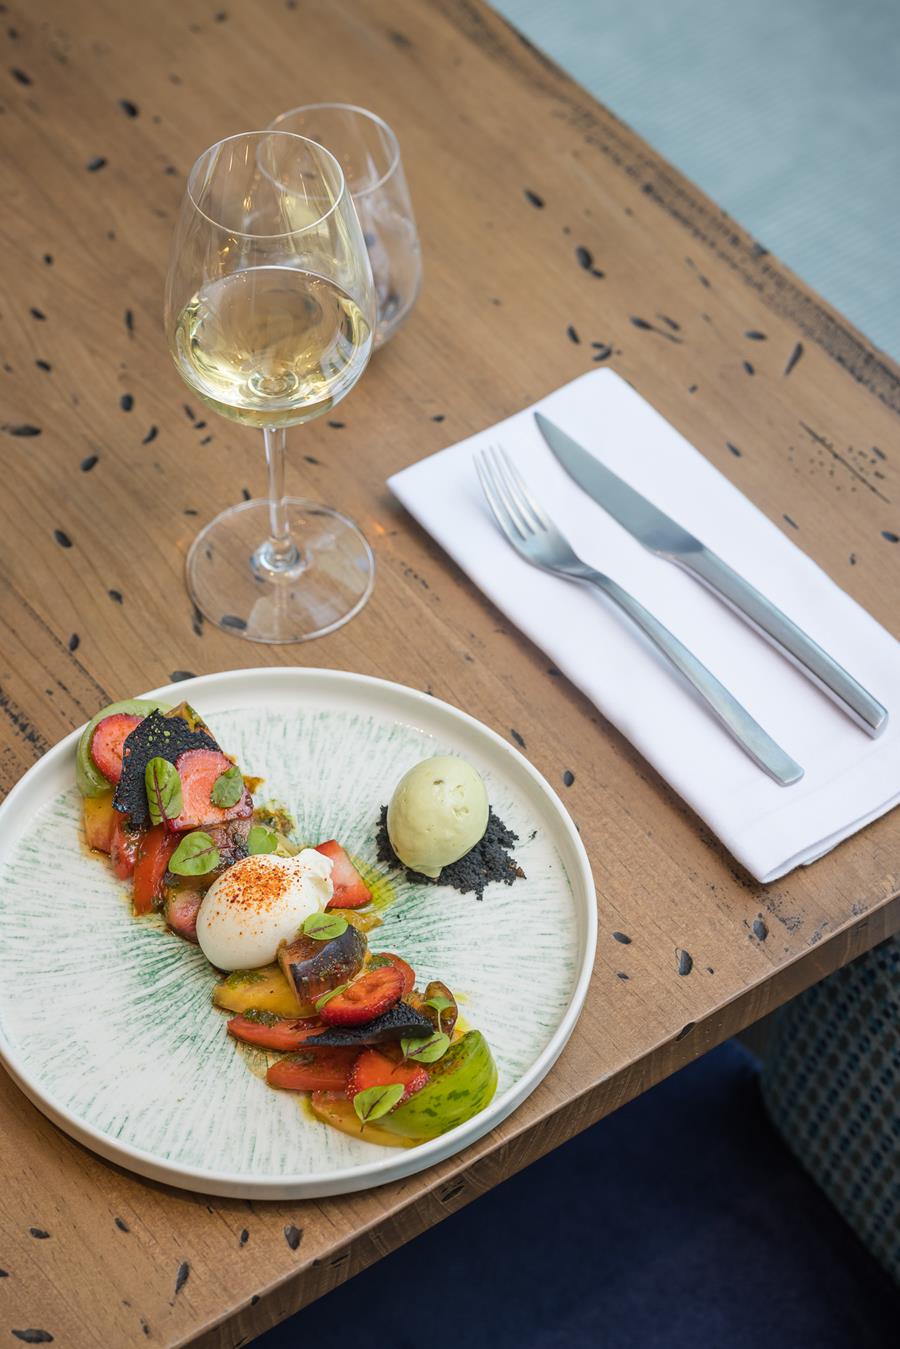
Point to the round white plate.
(106, 1021)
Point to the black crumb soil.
(488, 861)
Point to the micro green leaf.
(261, 839)
(324, 926)
(163, 785)
(228, 788)
(326, 997)
(375, 1102)
(195, 855)
(426, 1051)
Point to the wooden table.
(515, 173)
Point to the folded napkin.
(849, 778)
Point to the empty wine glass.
(270, 317)
(368, 152)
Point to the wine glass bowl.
(369, 155)
(270, 316)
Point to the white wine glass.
(270, 314)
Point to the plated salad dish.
(289, 926)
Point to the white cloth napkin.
(849, 778)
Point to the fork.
(539, 541)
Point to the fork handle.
(734, 717)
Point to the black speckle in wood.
(398, 39)
(293, 1235)
(749, 368)
(533, 198)
(602, 351)
(670, 323)
(685, 962)
(74, 642)
(620, 974)
(793, 523)
(245, 493)
(794, 358)
(23, 429)
(20, 76)
(568, 777)
(189, 412)
(693, 388)
(121, 1224)
(438, 417)
(311, 459)
(38, 314)
(760, 931)
(116, 596)
(126, 402)
(890, 536)
(759, 251)
(145, 1327)
(852, 559)
(90, 461)
(642, 324)
(4, 1273)
(199, 426)
(221, 16)
(585, 257)
(38, 1233)
(685, 1030)
(48, 259)
(151, 435)
(254, 1299)
(189, 510)
(130, 109)
(170, 170)
(178, 676)
(44, 365)
(337, 426)
(129, 322)
(621, 937)
(33, 1336)
(244, 1237)
(880, 454)
(754, 336)
(233, 621)
(196, 616)
(62, 538)
(595, 271)
(181, 1278)
(552, 670)
(734, 449)
(95, 164)
(572, 334)
(518, 737)
(206, 440)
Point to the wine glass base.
(331, 582)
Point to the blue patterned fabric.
(831, 1084)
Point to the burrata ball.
(438, 812)
(258, 903)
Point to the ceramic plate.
(106, 1022)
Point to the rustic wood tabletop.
(554, 240)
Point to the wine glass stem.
(280, 552)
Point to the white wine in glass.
(270, 316)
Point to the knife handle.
(865, 710)
(756, 741)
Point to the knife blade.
(662, 535)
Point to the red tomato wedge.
(123, 848)
(365, 998)
(153, 853)
(350, 890)
(281, 1035)
(199, 769)
(373, 1069)
(313, 1070)
(381, 958)
(108, 740)
(99, 821)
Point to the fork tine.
(497, 508)
(507, 493)
(523, 494)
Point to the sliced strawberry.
(123, 848)
(151, 861)
(382, 958)
(108, 740)
(313, 1070)
(199, 770)
(350, 890)
(365, 998)
(374, 1069)
(182, 907)
(274, 1033)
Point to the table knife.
(665, 537)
